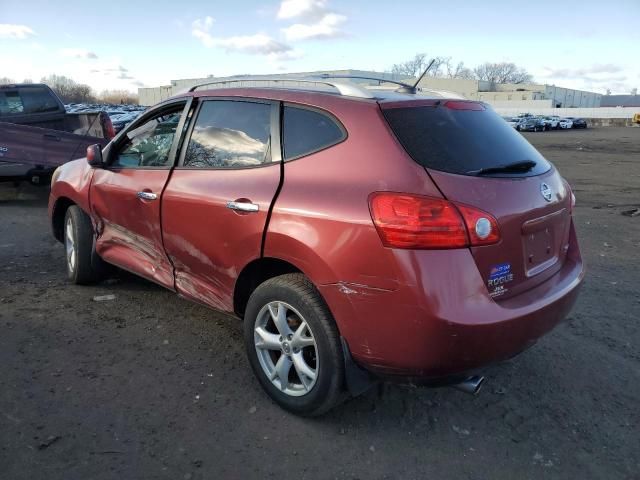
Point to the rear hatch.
(475, 158)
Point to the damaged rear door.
(216, 205)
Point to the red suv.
(360, 234)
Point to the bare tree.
(411, 68)
(6, 81)
(68, 90)
(118, 96)
(458, 71)
(418, 64)
(503, 72)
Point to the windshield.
(461, 141)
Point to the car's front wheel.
(83, 265)
(293, 345)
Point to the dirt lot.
(152, 386)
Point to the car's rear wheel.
(293, 345)
(83, 265)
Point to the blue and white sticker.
(499, 275)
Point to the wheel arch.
(253, 274)
(57, 216)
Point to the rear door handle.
(147, 196)
(243, 206)
(51, 136)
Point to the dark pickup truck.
(37, 134)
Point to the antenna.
(414, 87)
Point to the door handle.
(243, 206)
(147, 196)
(51, 136)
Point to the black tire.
(296, 291)
(87, 266)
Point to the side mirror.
(94, 155)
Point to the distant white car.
(565, 123)
(551, 122)
(513, 121)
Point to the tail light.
(572, 204)
(414, 221)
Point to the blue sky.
(584, 44)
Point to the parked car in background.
(566, 123)
(530, 124)
(445, 243)
(37, 134)
(512, 121)
(551, 122)
(578, 122)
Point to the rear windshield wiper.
(515, 167)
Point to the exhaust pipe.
(471, 385)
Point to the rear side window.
(307, 131)
(461, 141)
(230, 134)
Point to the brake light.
(463, 105)
(414, 221)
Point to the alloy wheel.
(70, 245)
(286, 348)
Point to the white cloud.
(596, 69)
(78, 53)
(307, 9)
(19, 32)
(200, 30)
(327, 27)
(258, 44)
(314, 20)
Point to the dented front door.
(126, 195)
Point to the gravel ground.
(151, 386)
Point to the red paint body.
(412, 312)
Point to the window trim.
(345, 133)
(275, 147)
(117, 142)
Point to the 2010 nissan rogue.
(359, 233)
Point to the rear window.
(461, 141)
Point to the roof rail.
(395, 82)
(346, 89)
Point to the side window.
(307, 131)
(230, 134)
(10, 102)
(38, 100)
(149, 144)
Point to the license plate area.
(542, 242)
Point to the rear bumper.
(441, 320)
